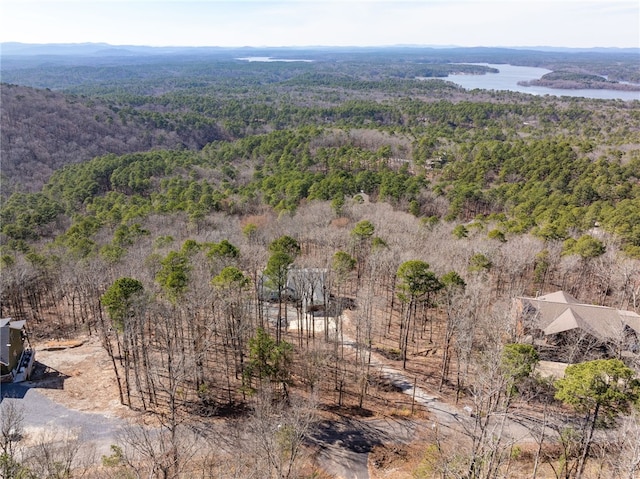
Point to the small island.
(567, 80)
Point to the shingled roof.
(559, 312)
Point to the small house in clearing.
(307, 285)
(558, 321)
(16, 359)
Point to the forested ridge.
(425, 209)
(481, 159)
(578, 80)
(43, 130)
(136, 103)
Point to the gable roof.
(566, 321)
(17, 324)
(558, 297)
(4, 322)
(631, 319)
(558, 312)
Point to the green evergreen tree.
(120, 300)
(598, 390)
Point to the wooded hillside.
(421, 210)
(43, 130)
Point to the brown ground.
(78, 374)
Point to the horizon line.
(410, 45)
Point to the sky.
(558, 23)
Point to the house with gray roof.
(559, 320)
(307, 285)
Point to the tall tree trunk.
(587, 443)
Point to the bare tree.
(490, 407)
(11, 430)
(59, 455)
(364, 324)
(274, 435)
(158, 452)
(625, 463)
(498, 368)
(476, 301)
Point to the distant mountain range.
(105, 49)
(92, 49)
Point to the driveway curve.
(41, 414)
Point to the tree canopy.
(120, 300)
(603, 385)
(417, 280)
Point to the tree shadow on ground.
(42, 377)
(348, 434)
(45, 377)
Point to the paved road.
(41, 413)
(442, 413)
(350, 459)
(344, 445)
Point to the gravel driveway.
(42, 414)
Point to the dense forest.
(578, 80)
(180, 209)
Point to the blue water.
(271, 59)
(510, 75)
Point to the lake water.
(270, 59)
(510, 75)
